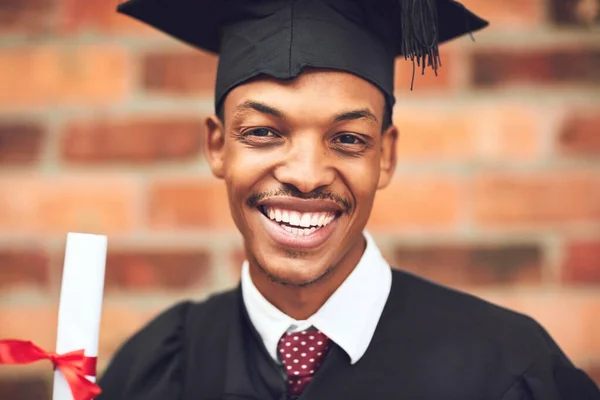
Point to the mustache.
(318, 194)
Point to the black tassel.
(420, 34)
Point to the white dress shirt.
(349, 317)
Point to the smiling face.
(302, 161)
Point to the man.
(302, 138)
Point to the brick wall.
(497, 191)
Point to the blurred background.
(497, 192)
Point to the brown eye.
(350, 143)
(260, 137)
(261, 132)
(348, 139)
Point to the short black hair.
(387, 117)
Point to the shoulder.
(149, 365)
(447, 304)
(475, 346)
(463, 318)
(166, 332)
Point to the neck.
(301, 302)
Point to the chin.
(293, 270)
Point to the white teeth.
(315, 219)
(328, 219)
(299, 231)
(321, 219)
(294, 218)
(305, 220)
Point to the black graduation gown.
(431, 343)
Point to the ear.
(215, 145)
(388, 156)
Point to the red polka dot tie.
(302, 354)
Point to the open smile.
(299, 224)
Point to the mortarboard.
(280, 38)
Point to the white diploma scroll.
(80, 301)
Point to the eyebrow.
(356, 114)
(260, 107)
(266, 109)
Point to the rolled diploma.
(80, 301)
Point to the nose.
(307, 166)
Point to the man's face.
(302, 161)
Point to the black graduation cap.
(281, 37)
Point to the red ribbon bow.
(74, 365)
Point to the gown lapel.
(331, 379)
(251, 374)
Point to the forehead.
(315, 90)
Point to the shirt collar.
(349, 317)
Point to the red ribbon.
(74, 365)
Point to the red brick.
(27, 16)
(57, 205)
(133, 140)
(35, 323)
(509, 14)
(20, 142)
(189, 204)
(55, 76)
(574, 12)
(169, 270)
(20, 269)
(417, 203)
(25, 388)
(530, 200)
(467, 134)
(582, 263)
(508, 133)
(435, 134)
(503, 67)
(184, 73)
(473, 265)
(580, 134)
(99, 17)
(428, 81)
(570, 317)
